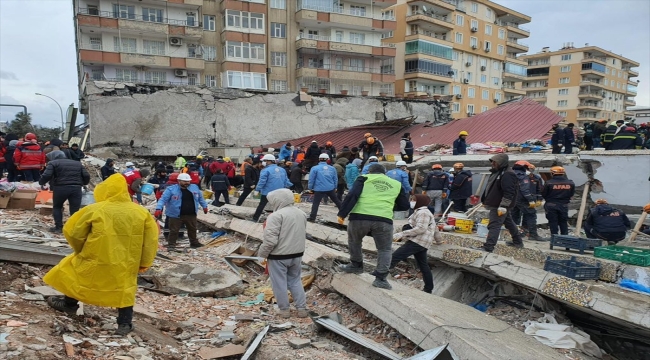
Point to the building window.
(607, 70)
(209, 53)
(191, 20)
(566, 57)
(459, 38)
(246, 51)
(497, 95)
(388, 15)
(483, 79)
(454, 55)
(562, 103)
(279, 59)
(502, 34)
(245, 80)
(209, 23)
(620, 73)
(475, 8)
(278, 85)
(244, 20)
(153, 15)
(357, 64)
(564, 80)
(562, 113)
(357, 10)
(471, 92)
(428, 67)
(428, 48)
(495, 80)
(357, 38)
(124, 11)
(563, 92)
(484, 108)
(455, 107)
(456, 90)
(155, 77)
(470, 108)
(565, 69)
(97, 74)
(488, 13)
(496, 65)
(278, 30)
(488, 46)
(485, 95)
(126, 45)
(460, 20)
(606, 82)
(387, 35)
(96, 43)
(210, 81)
(279, 4)
(473, 42)
(500, 49)
(474, 24)
(126, 75)
(193, 79)
(468, 76)
(488, 29)
(151, 47)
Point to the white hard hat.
(268, 157)
(401, 163)
(373, 158)
(184, 177)
(323, 157)
(129, 164)
(451, 169)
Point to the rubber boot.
(536, 237)
(353, 267)
(380, 281)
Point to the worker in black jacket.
(558, 192)
(557, 139)
(296, 178)
(311, 156)
(66, 177)
(461, 187)
(108, 169)
(251, 176)
(569, 138)
(500, 197)
(526, 202)
(406, 148)
(220, 186)
(599, 130)
(626, 139)
(435, 186)
(607, 223)
(611, 131)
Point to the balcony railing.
(189, 81)
(591, 57)
(362, 69)
(456, 3)
(538, 62)
(336, 10)
(98, 47)
(137, 17)
(509, 86)
(537, 96)
(596, 82)
(514, 25)
(434, 16)
(593, 104)
(516, 42)
(592, 93)
(329, 38)
(588, 115)
(424, 71)
(534, 75)
(429, 34)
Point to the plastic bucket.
(464, 226)
(451, 218)
(207, 194)
(296, 197)
(147, 189)
(474, 199)
(481, 230)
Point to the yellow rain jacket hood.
(111, 240)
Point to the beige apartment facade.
(467, 49)
(582, 84)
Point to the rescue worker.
(66, 177)
(332, 150)
(323, 181)
(181, 203)
(461, 187)
(460, 144)
(340, 165)
(296, 178)
(29, 158)
(220, 186)
(3, 151)
(160, 178)
(354, 154)
(371, 160)
(352, 172)
(311, 156)
(500, 197)
(180, 162)
(271, 178)
(435, 186)
(370, 204)
(12, 172)
(419, 233)
(611, 131)
(285, 152)
(589, 135)
(627, 139)
(134, 179)
(371, 146)
(207, 173)
(299, 154)
(250, 179)
(557, 193)
(129, 166)
(600, 128)
(108, 169)
(75, 153)
(569, 138)
(344, 153)
(606, 223)
(526, 202)
(94, 274)
(400, 174)
(557, 139)
(406, 148)
(536, 186)
(220, 164)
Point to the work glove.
(143, 270)
(205, 210)
(532, 204)
(444, 195)
(405, 156)
(501, 211)
(538, 203)
(43, 187)
(85, 187)
(255, 193)
(311, 191)
(647, 208)
(397, 237)
(340, 220)
(253, 187)
(157, 214)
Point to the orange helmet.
(523, 163)
(557, 170)
(436, 166)
(601, 201)
(370, 140)
(329, 143)
(367, 135)
(531, 166)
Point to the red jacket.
(231, 171)
(224, 166)
(29, 156)
(130, 177)
(3, 151)
(196, 179)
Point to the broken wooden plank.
(208, 353)
(23, 252)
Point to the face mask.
(527, 172)
(412, 204)
(263, 164)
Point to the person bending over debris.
(93, 273)
(283, 245)
(66, 177)
(419, 234)
(271, 178)
(606, 223)
(370, 204)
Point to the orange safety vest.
(242, 169)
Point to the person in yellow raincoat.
(113, 240)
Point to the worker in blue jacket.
(460, 144)
(371, 160)
(323, 181)
(607, 223)
(400, 174)
(272, 177)
(286, 152)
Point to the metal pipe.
(22, 106)
(60, 109)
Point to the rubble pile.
(531, 145)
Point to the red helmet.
(30, 137)
(329, 143)
(630, 129)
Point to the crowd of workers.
(619, 135)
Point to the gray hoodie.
(286, 227)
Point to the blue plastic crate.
(571, 242)
(572, 269)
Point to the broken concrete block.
(226, 334)
(207, 352)
(45, 291)
(199, 281)
(244, 317)
(32, 297)
(119, 86)
(203, 322)
(321, 344)
(298, 343)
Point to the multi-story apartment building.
(463, 48)
(280, 45)
(582, 84)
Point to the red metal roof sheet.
(351, 136)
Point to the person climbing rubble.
(400, 174)
(371, 160)
(606, 223)
(135, 178)
(557, 193)
(93, 274)
(371, 146)
(283, 245)
(323, 181)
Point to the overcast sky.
(37, 51)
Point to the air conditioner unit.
(482, 68)
(474, 29)
(465, 81)
(470, 114)
(459, 96)
(468, 64)
(487, 49)
(496, 101)
(180, 73)
(175, 41)
(474, 47)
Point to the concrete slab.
(199, 281)
(471, 333)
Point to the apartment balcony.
(588, 116)
(590, 95)
(439, 21)
(516, 30)
(356, 73)
(325, 43)
(511, 89)
(90, 54)
(513, 76)
(590, 105)
(309, 14)
(593, 83)
(433, 76)
(515, 46)
(538, 98)
(598, 59)
(534, 64)
(593, 73)
(632, 82)
(429, 36)
(632, 73)
(515, 60)
(630, 102)
(628, 113)
(136, 25)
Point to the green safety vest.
(378, 196)
(180, 163)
